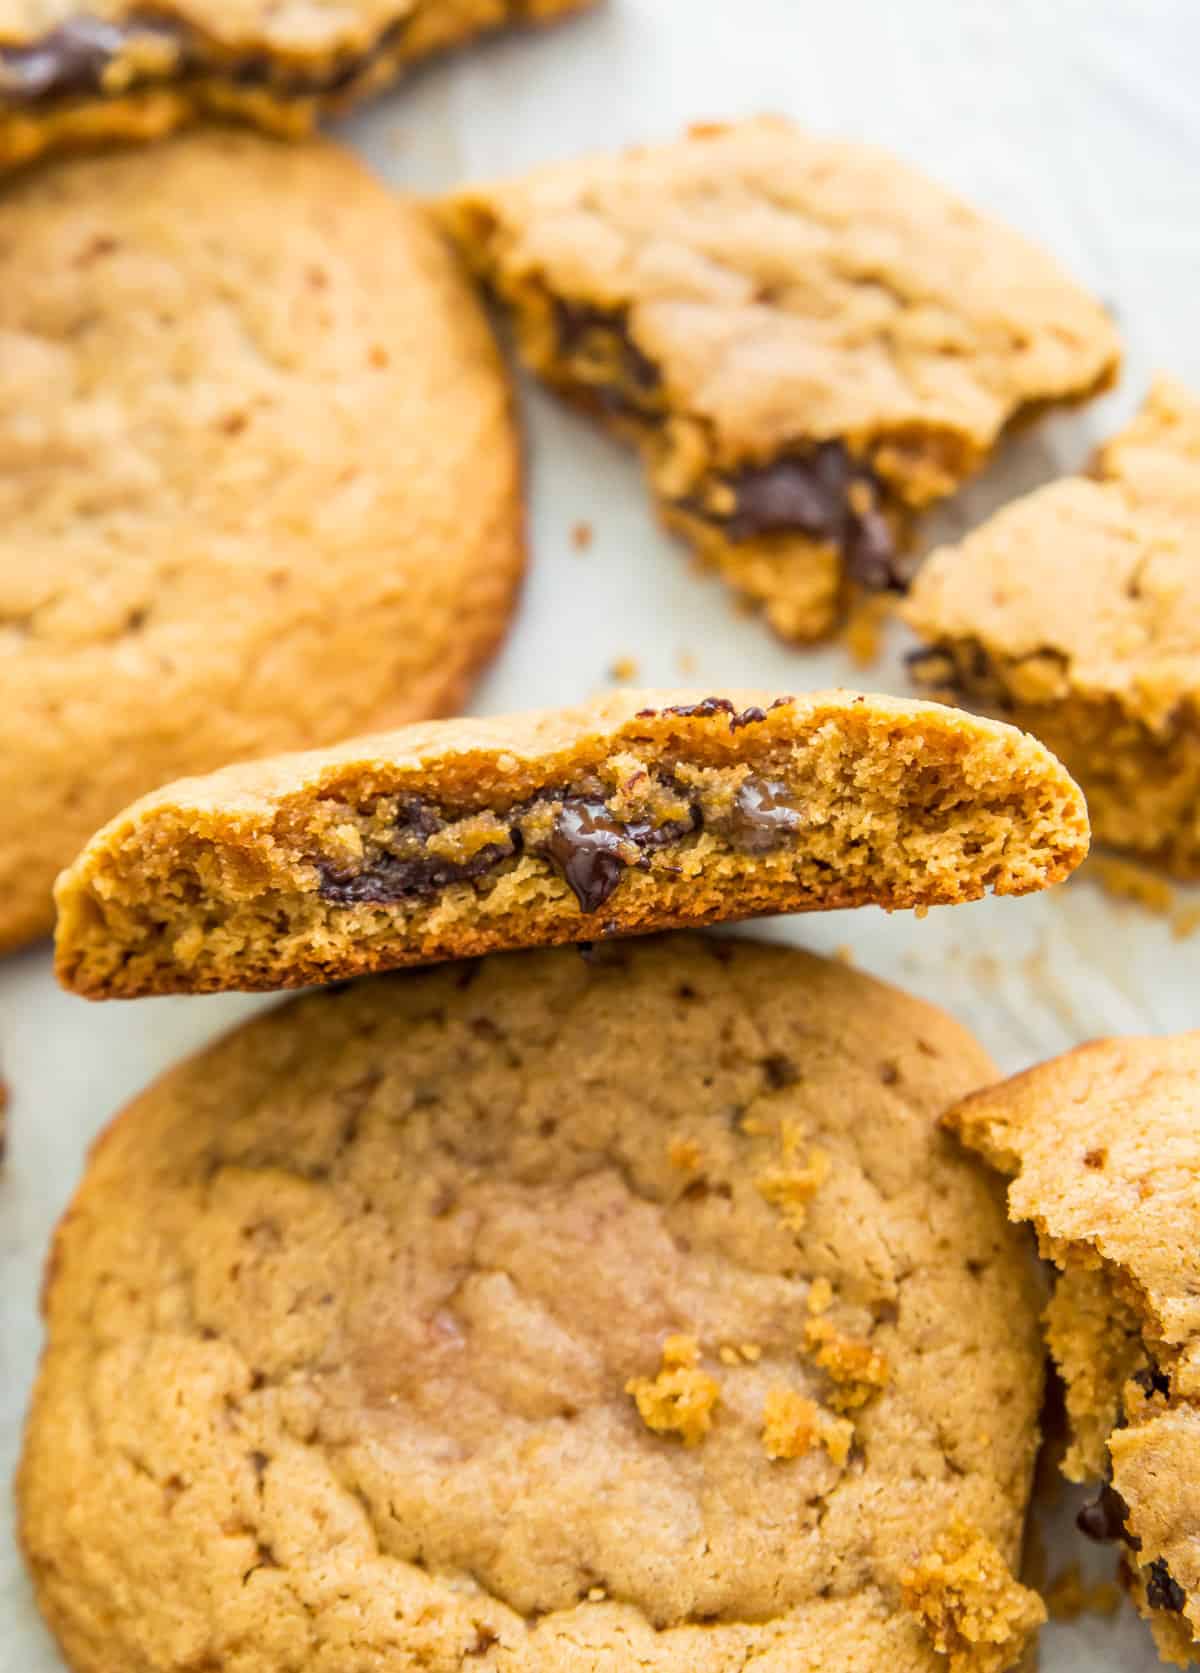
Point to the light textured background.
(1079, 122)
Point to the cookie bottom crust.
(149, 79)
(1142, 783)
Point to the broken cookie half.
(1103, 1150)
(808, 341)
(1075, 612)
(637, 812)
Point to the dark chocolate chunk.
(69, 59)
(812, 493)
(1103, 1519)
(591, 847)
(1163, 1591)
(1152, 1381)
(762, 816)
(714, 706)
(392, 878)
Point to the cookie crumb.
(597, 1594)
(864, 628)
(794, 1425)
(681, 1399)
(686, 662)
(581, 536)
(684, 1154)
(1068, 1596)
(859, 1369)
(624, 669)
(739, 1353)
(1125, 880)
(971, 1608)
(1185, 923)
(844, 955)
(790, 1184)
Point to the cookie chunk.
(807, 340)
(1076, 613)
(643, 810)
(1103, 1150)
(72, 77)
(259, 482)
(390, 1332)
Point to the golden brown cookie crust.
(342, 1323)
(1076, 612)
(808, 340)
(259, 480)
(72, 78)
(639, 811)
(1102, 1147)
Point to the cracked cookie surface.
(807, 340)
(1076, 613)
(119, 69)
(1103, 1150)
(357, 1321)
(258, 474)
(639, 811)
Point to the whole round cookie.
(544, 1314)
(259, 483)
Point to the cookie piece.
(1076, 613)
(441, 1321)
(640, 811)
(808, 341)
(72, 77)
(259, 482)
(1103, 1149)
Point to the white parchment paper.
(1079, 121)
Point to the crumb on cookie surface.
(971, 1608)
(857, 1368)
(794, 1425)
(681, 1399)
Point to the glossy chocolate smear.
(811, 493)
(762, 817)
(592, 850)
(1163, 1591)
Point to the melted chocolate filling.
(589, 846)
(812, 493)
(72, 61)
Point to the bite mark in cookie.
(807, 341)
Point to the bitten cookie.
(1076, 613)
(259, 483)
(1103, 1148)
(807, 340)
(641, 811)
(74, 76)
(544, 1315)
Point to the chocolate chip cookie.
(544, 1315)
(259, 481)
(1103, 1149)
(1076, 613)
(72, 76)
(807, 340)
(644, 810)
